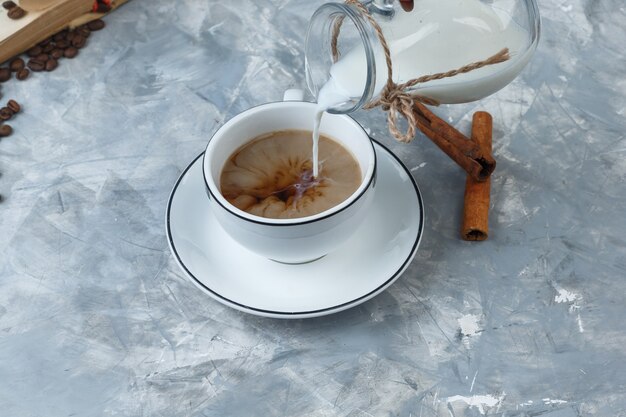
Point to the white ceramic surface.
(290, 240)
(365, 265)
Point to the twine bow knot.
(395, 100)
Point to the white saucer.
(369, 262)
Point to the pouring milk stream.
(436, 36)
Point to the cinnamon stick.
(466, 153)
(477, 193)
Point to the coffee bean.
(5, 74)
(17, 64)
(70, 36)
(83, 31)
(45, 42)
(34, 51)
(48, 48)
(60, 36)
(57, 53)
(5, 130)
(5, 113)
(14, 106)
(96, 25)
(42, 57)
(51, 64)
(9, 5)
(70, 52)
(36, 65)
(62, 44)
(78, 42)
(16, 13)
(22, 74)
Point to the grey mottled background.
(96, 319)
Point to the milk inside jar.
(436, 36)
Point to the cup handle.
(293, 94)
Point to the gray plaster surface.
(96, 318)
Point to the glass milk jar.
(346, 65)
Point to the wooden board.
(45, 18)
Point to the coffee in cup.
(272, 175)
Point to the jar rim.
(328, 13)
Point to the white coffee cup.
(302, 239)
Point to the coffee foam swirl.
(272, 175)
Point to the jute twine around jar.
(394, 98)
